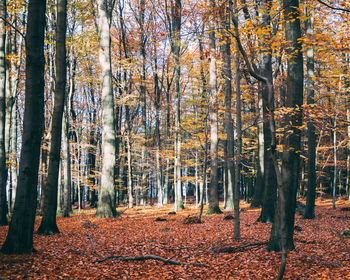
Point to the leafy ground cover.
(322, 247)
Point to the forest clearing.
(322, 247)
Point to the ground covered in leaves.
(322, 247)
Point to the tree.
(3, 169)
(106, 203)
(19, 239)
(269, 174)
(176, 11)
(309, 212)
(281, 237)
(227, 74)
(213, 116)
(48, 224)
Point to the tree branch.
(146, 257)
(334, 8)
(14, 27)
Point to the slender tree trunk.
(20, 235)
(48, 224)
(227, 74)
(213, 115)
(176, 11)
(311, 135)
(347, 88)
(67, 171)
(3, 168)
(130, 181)
(259, 186)
(237, 185)
(270, 183)
(106, 205)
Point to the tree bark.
(237, 185)
(48, 224)
(227, 74)
(309, 212)
(176, 11)
(281, 237)
(19, 239)
(213, 116)
(3, 168)
(269, 177)
(106, 204)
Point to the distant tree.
(19, 239)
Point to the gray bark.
(106, 204)
(213, 116)
(3, 168)
(311, 135)
(227, 74)
(176, 11)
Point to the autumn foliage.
(322, 247)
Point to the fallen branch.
(146, 257)
(93, 246)
(233, 249)
(137, 258)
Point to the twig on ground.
(146, 257)
(233, 249)
(93, 246)
(137, 258)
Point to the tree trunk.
(311, 135)
(259, 186)
(106, 204)
(237, 185)
(227, 74)
(19, 239)
(48, 224)
(3, 168)
(270, 183)
(213, 115)
(281, 236)
(176, 10)
(67, 172)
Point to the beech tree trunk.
(281, 237)
(237, 185)
(176, 11)
(227, 74)
(48, 224)
(19, 239)
(213, 116)
(269, 177)
(309, 212)
(106, 204)
(3, 168)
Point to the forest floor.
(322, 247)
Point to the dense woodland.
(205, 104)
